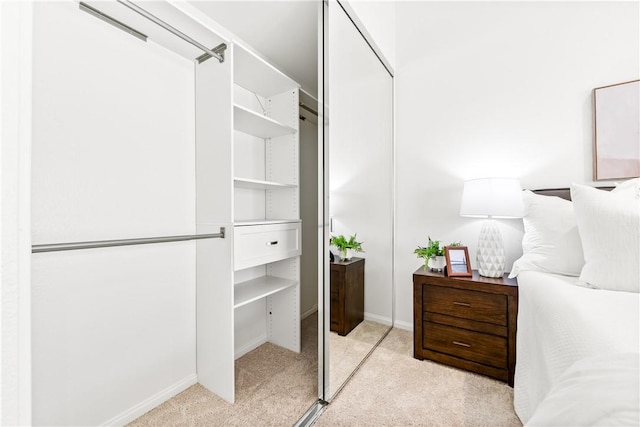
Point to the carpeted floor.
(346, 353)
(394, 389)
(274, 387)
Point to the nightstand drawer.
(480, 306)
(469, 345)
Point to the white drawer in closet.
(260, 244)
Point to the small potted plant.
(346, 246)
(433, 254)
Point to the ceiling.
(283, 32)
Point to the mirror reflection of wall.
(458, 261)
(458, 264)
(361, 195)
(457, 256)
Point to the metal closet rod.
(108, 19)
(217, 52)
(55, 247)
(309, 109)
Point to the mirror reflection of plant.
(342, 243)
(432, 250)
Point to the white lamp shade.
(492, 197)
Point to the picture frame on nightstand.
(458, 263)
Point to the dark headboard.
(564, 193)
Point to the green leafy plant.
(432, 250)
(342, 243)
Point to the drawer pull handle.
(464, 304)
(461, 344)
(275, 242)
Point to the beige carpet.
(274, 387)
(394, 389)
(346, 353)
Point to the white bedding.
(560, 323)
(596, 391)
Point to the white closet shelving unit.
(248, 181)
(267, 228)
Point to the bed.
(578, 345)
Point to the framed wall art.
(616, 131)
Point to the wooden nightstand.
(466, 322)
(347, 295)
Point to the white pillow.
(551, 242)
(609, 225)
(630, 188)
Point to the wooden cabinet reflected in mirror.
(347, 295)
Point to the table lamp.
(491, 198)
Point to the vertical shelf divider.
(214, 209)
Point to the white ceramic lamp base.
(490, 255)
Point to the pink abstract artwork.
(617, 131)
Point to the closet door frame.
(324, 296)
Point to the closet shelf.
(258, 76)
(249, 222)
(255, 289)
(255, 184)
(247, 121)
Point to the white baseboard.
(309, 312)
(403, 325)
(251, 345)
(378, 319)
(153, 401)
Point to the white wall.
(113, 157)
(15, 230)
(496, 89)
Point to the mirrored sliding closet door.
(358, 293)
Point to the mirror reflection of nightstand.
(347, 295)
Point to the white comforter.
(560, 323)
(597, 391)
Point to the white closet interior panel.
(111, 327)
(249, 163)
(113, 132)
(309, 214)
(248, 338)
(249, 156)
(114, 330)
